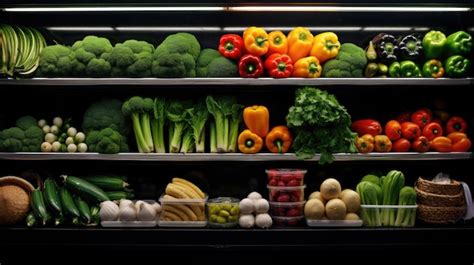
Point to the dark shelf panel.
(231, 157)
(238, 82)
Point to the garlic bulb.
(125, 203)
(146, 212)
(254, 196)
(128, 213)
(246, 206)
(157, 207)
(261, 206)
(109, 211)
(247, 221)
(263, 220)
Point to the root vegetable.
(330, 189)
(247, 206)
(42, 123)
(109, 211)
(50, 138)
(314, 209)
(69, 141)
(46, 147)
(82, 147)
(54, 129)
(351, 199)
(56, 146)
(317, 195)
(71, 132)
(80, 137)
(261, 206)
(336, 209)
(72, 148)
(263, 220)
(247, 221)
(58, 121)
(46, 129)
(351, 216)
(254, 196)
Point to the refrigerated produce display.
(216, 130)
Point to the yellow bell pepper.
(257, 119)
(325, 46)
(278, 43)
(307, 67)
(256, 41)
(300, 41)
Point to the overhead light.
(169, 29)
(80, 28)
(114, 9)
(234, 29)
(387, 29)
(345, 9)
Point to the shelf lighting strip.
(240, 9)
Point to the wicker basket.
(435, 200)
(453, 188)
(440, 215)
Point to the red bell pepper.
(456, 124)
(401, 145)
(250, 66)
(460, 142)
(367, 126)
(421, 117)
(410, 130)
(231, 46)
(393, 130)
(279, 65)
(432, 130)
(421, 144)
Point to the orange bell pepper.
(249, 142)
(307, 67)
(442, 144)
(257, 119)
(279, 140)
(365, 143)
(382, 143)
(256, 41)
(460, 141)
(325, 46)
(277, 43)
(300, 41)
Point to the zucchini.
(95, 214)
(84, 209)
(107, 183)
(85, 189)
(39, 208)
(68, 205)
(31, 220)
(118, 195)
(51, 197)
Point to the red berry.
(293, 212)
(283, 198)
(294, 182)
(281, 184)
(273, 182)
(287, 177)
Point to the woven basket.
(440, 215)
(435, 200)
(453, 188)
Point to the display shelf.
(239, 238)
(237, 82)
(236, 157)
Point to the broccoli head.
(212, 64)
(176, 56)
(132, 58)
(26, 122)
(106, 141)
(103, 114)
(17, 140)
(88, 52)
(349, 62)
(205, 58)
(56, 61)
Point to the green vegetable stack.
(349, 62)
(321, 125)
(91, 54)
(25, 137)
(387, 190)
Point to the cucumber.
(84, 209)
(68, 205)
(95, 213)
(51, 197)
(39, 208)
(118, 195)
(107, 183)
(85, 189)
(58, 220)
(31, 220)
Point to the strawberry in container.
(285, 177)
(287, 209)
(286, 194)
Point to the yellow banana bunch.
(183, 191)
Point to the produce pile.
(76, 202)
(62, 137)
(433, 55)
(391, 194)
(254, 212)
(127, 211)
(419, 131)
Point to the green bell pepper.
(433, 68)
(404, 69)
(458, 43)
(457, 66)
(433, 44)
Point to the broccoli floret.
(26, 122)
(17, 140)
(132, 58)
(34, 136)
(103, 114)
(88, 52)
(349, 62)
(176, 56)
(222, 67)
(106, 141)
(56, 61)
(205, 58)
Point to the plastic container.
(223, 212)
(334, 223)
(287, 221)
(287, 209)
(182, 212)
(286, 194)
(285, 177)
(403, 215)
